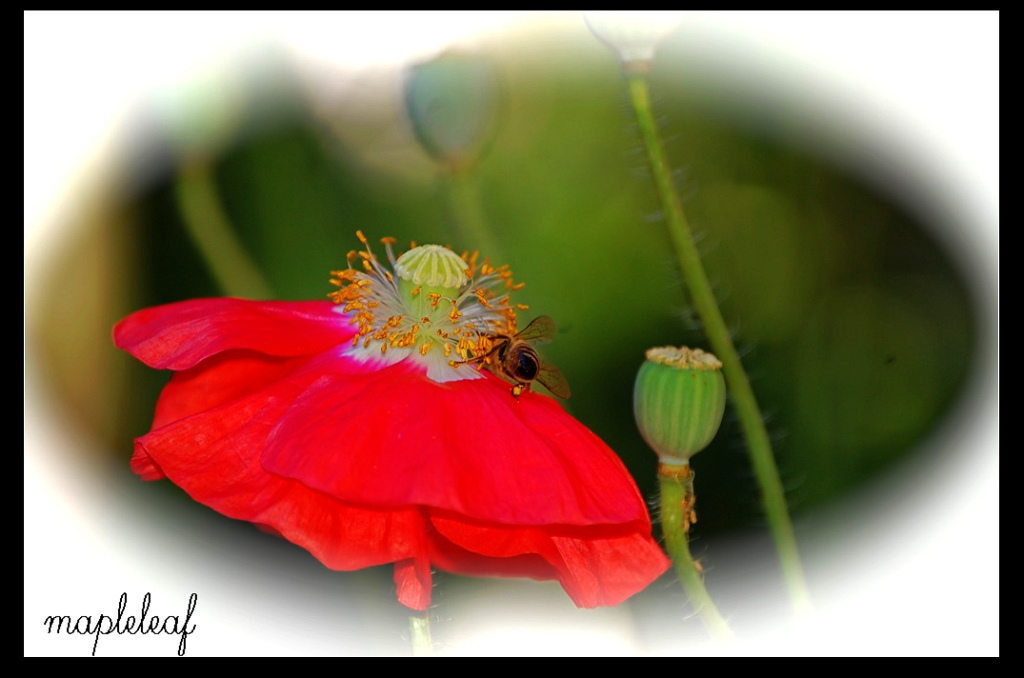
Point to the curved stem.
(740, 392)
(677, 513)
(211, 231)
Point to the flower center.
(430, 305)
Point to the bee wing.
(541, 330)
(553, 379)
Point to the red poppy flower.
(363, 431)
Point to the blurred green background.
(858, 328)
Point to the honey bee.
(514, 358)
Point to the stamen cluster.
(430, 304)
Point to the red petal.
(394, 437)
(413, 583)
(601, 565)
(214, 456)
(177, 336)
(608, 571)
(214, 382)
(220, 380)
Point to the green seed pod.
(678, 401)
(453, 105)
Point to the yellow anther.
(481, 297)
(360, 291)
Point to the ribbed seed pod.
(678, 401)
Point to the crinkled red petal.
(392, 436)
(220, 380)
(178, 336)
(216, 381)
(600, 565)
(214, 456)
(413, 582)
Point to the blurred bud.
(633, 35)
(453, 104)
(678, 401)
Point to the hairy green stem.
(419, 629)
(740, 392)
(677, 500)
(211, 231)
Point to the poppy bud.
(453, 105)
(633, 36)
(678, 401)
